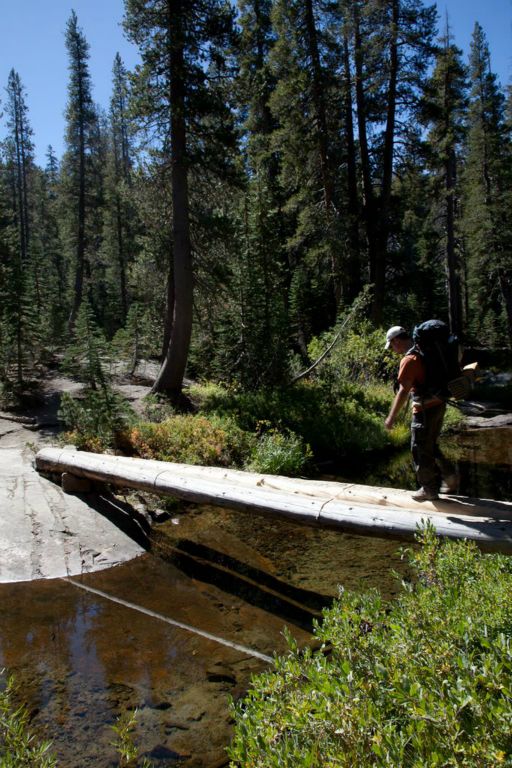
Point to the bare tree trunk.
(381, 252)
(452, 260)
(351, 277)
(505, 281)
(121, 258)
(370, 208)
(170, 377)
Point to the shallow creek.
(181, 630)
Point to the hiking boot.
(423, 494)
(449, 484)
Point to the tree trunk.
(121, 258)
(505, 281)
(452, 260)
(370, 208)
(322, 139)
(351, 277)
(381, 251)
(170, 377)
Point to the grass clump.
(334, 422)
(424, 681)
(18, 745)
(276, 453)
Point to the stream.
(179, 632)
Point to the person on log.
(428, 411)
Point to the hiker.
(427, 419)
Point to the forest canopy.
(259, 168)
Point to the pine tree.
(120, 217)
(444, 112)
(488, 198)
(390, 44)
(52, 256)
(81, 166)
(255, 335)
(305, 107)
(87, 356)
(176, 94)
(22, 300)
(20, 151)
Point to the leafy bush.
(217, 441)
(424, 681)
(157, 408)
(95, 418)
(279, 454)
(359, 357)
(192, 439)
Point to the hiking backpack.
(439, 350)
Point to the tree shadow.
(259, 588)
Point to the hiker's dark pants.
(429, 462)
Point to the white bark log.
(384, 512)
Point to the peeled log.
(367, 510)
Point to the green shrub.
(358, 357)
(424, 681)
(95, 418)
(279, 454)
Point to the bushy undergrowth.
(424, 681)
(95, 418)
(218, 441)
(337, 412)
(19, 747)
(191, 439)
(276, 453)
(335, 422)
(359, 357)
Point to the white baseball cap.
(393, 332)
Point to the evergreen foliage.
(81, 177)
(444, 111)
(487, 193)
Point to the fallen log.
(367, 510)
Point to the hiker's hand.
(389, 423)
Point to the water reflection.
(81, 661)
(483, 458)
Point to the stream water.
(180, 631)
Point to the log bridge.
(359, 509)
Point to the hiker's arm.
(400, 400)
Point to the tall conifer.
(488, 199)
(80, 165)
(444, 112)
(178, 99)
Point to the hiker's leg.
(423, 441)
(446, 468)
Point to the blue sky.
(32, 42)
